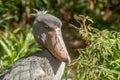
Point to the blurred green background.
(91, 30)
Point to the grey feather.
(39, 65)
(34, 67)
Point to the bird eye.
(46, 26)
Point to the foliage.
(14, 45)
(101, 59)
(98, 61)
(104, 12)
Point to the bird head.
(47, 31)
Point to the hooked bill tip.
(68, 60)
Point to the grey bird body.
(48, 64)
(38, 66)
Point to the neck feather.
(57, 66)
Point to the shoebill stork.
(48, 64)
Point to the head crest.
(39, 12)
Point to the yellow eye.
(46, 26)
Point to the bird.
(47, 64)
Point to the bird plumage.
(48, 64)
(37, 66)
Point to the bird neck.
(57, 65)
(60, 71)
